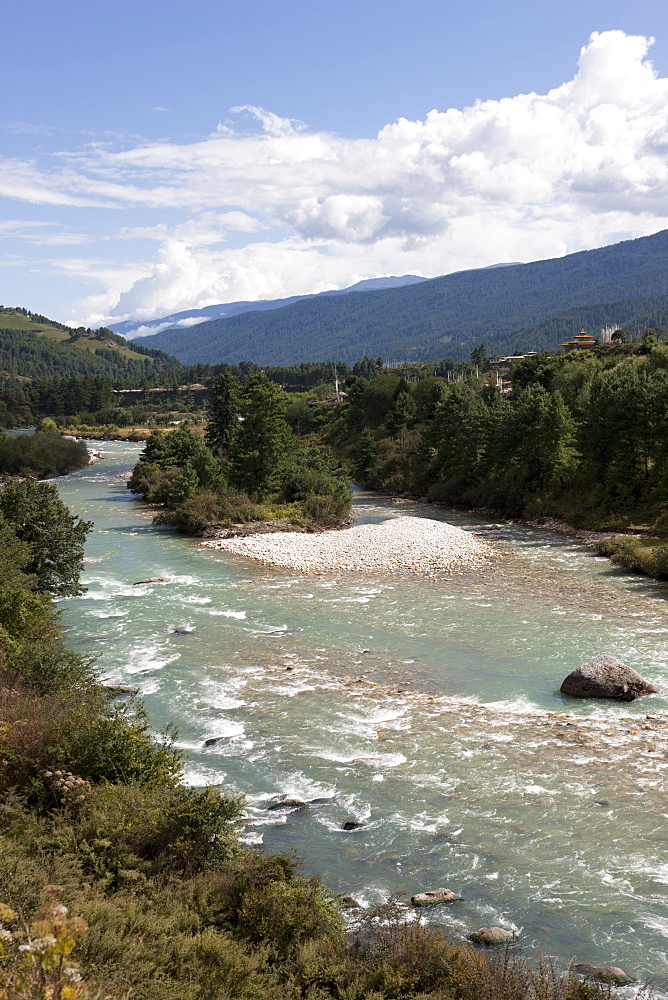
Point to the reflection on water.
(427, 712)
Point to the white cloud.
(47, 234)
(535, 175)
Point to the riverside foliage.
(42, 454)
(582, 437)
(250, 467)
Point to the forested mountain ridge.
(191, 317)
(428, 320)
(633, 315)
(33, 346)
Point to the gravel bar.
(401, 545)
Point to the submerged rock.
(151, 579)
(115, 690)
(215, 739)
(287, 804)
(434, 896)
(183, 631)
(606, 677)
(492, 936)
(607, 974)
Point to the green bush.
(128, 831)
(42, 454)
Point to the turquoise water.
(428, 712)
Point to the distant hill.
(32, 345)
(135, 330)
(430, 319)
(633, 315)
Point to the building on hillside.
(583, 342)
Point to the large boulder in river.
(492, 937)
(609, 974)
(606, 677)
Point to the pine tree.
(260, 447)
(223, 412)
(367, 454)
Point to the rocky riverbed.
(402, 545)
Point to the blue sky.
(132, 187)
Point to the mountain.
(134, 330)
(425, 321)
(32, 345)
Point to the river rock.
(350, 903)
(151, 579)
(115, 690)
(606, 677)
(608, 974)
(215, 739)
(183, 631)
(434, 896)
(492, 936)
(287, 804)
(352, 824)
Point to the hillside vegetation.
(33, 346)
(441, 316)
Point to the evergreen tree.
(260, 447)
(223, 412)
(185, 487)
(402, 411)
(479, 356)
(367, 454)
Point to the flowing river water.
(428, 712)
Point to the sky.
(163, 155)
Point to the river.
(428, 712)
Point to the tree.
(38, 516)
(403, 410)
(260, 446)
(185, 487)
(223, 412)
(366, 456)
(621, 337)
(479, 356)
(15, 556)
(47, 426)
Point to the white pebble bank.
(400, 545)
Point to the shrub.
(83, 733)
(31, 647)
(35, 957)
(640, 555)
(128, 831)
(284, 915)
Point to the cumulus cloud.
(528, 176)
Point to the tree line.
(581, 437)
